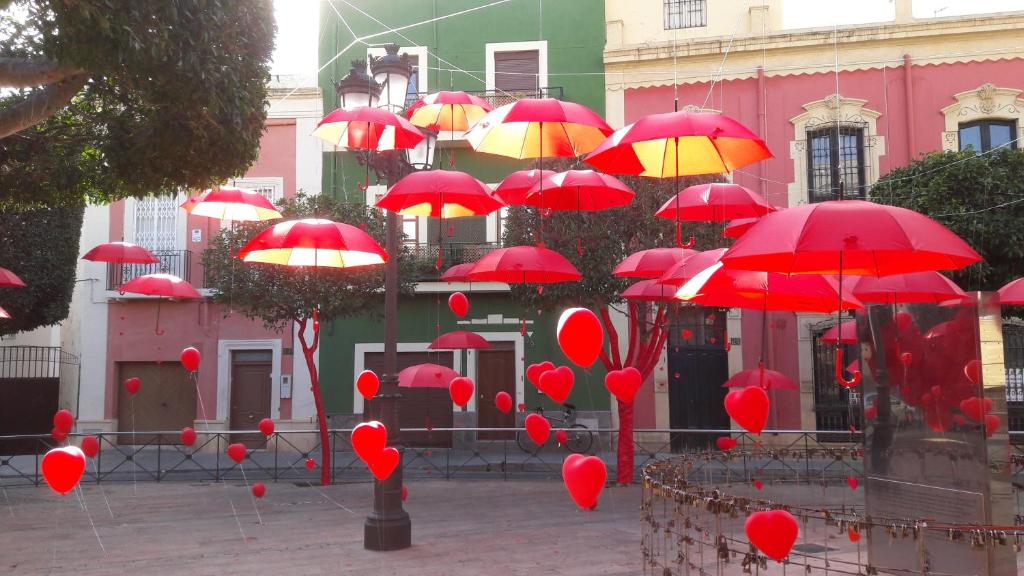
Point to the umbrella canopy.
(849, 333)
(515, 186)
(581, 190)
(727, 288)
(538, 128)
(524, 265)
(366, 128)
(761, 377)
(714, 202)
(426, 376)
(649, 291)
(924, 287)
(1012, 293)
(228, 203)
(458, 273)
(448, 111)
(440, 194)
(165, 285)
(121, 253)
(679, 144)
(687, 268)
(314, 242)
(651, 263)
(738, 227)
(459, 340)
(868, 239)
(9, 279)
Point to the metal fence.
(177, 262)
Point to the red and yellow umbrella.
(538, 128)
(580, 190)
(714, 202)
(314, 242)
(366, 128)
(230, 203)
(448, 111)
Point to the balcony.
(176, 262)
(424, 256)
(498, 98)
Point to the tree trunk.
(624, 457)
(39, 105)
(325, 444)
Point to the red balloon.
(976, 408)
(580, 336)
(384, 463)
(132, 385)
(190, 359)
(906, 359)
(461, 390)
(903, 320)
(853, 482)
(368, 384)
(534, 372)
(972, 370)
(537, 428)
(774, 533)
(63, 468)
(557, 383)
(522, 407)
(686, 334)
(458, 304)
(369, 439)
(758, 484)
(503, 401)
(959, 420)
(623, 384)
(992, 424)
(562, 437)
(748, 407)
(310, 463)
(90, 446)
(237, 452)
(58, 435)
(852, 533)
(405, 493)
(188, 436)
(258, 489)
(63, 420)
(584, 477)
(267, 427)
(725, 443)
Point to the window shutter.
(517, 71)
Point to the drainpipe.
(762, 126)
(908, 90)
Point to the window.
(156, 223)
(272, 188)
(985, 135)
(685, 14)
(412, 93)
(517, 71)
(835, 156)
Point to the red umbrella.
(649, 291)
(738, 227)
(1012, 293)
(651, 263)
(228, 203)
(580, 190)
(687, 268)
(849, 333)
(440, 193)
(763, 377)
(515, 186)
(927, 287)
(726, 288)
(121, 253)
(366, 128)
(459, 340)
(524, 264)
(538, 128)
(162, 285)
(458, 272)
(714, 202)
(314, 242)
(190, 203)
(9, 279)
(426, 376)
(448, 111)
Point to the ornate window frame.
(986, 102)
(829, 110)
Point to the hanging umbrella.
(426, 376)
(849, 334)
(161, 285)
(721, 287)
(9, 279)
(121, 253)
(366, 128)
(538, 128)
(459, 340)
(4, 315)
(229, 203)
(649, 291)
(687, 268)
(440, 193)
(458, 273)
(448, 111)
(715, 202)
(772, 380)
(515, 186)
(580, 190)
(915, 287)
(651, 263)
(738, 227)
(190, 203)
(314, 242)
(1012, 293)
(524, 264)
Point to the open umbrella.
(366, 128)
(721, 287)
(120, 253)
(9, 279)
(524, 265)
(314, 242)
(714, 202)
(426, 376)
(161, 285)
(915, 287)
(515, 186)
(459, 340)
(538, 128)
(580, 190)
(1012, 293)
(687, 268)
(650, 263)
(847, 330)
(649, 291)
(768, 379)
(737, 227)
(229, 203)
(458, 273)
(440, 194)
(448, 111)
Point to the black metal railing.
(498, 98)
(177, 262)
(452, 253)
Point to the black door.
(698, 365)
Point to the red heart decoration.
(132, 385)
(972, 370)
(992, 424)
(686, 334)
(368, 384)
(90, 446)
(537, 428)
(259, 489)
(580, 336)
(267, 427)
(188, 436)
(522, 407)
(852, 533)
(562, 437)
(503, 401)
(461, 390)
(976, 408)
(63, 420)
(906, 359)
(405, 493)
(384, 463)
(774, 532)
(557, 383)
(725, 443)
(534, 371)
(758, 484)
(903, 320)
(310, 463)
(959, 420)
(63, 468)
(237, 452)
(458, 304)
(623, 384)
(749, 408)
(584, 477)
(853, 482)
(369, 439)
(871, 413)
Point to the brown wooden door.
(166, 401)
(250, 395)
(26, 407)
(495, 372)
(420, 407)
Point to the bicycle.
(579, 437)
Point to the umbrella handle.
(679, 237)
(845, 383)
(439, 262)
(726, 345)
(158, 331)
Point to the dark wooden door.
(26, 407)
(166, 401)
(420, 407)
(698, 365)
(495, 372)
(250, 396)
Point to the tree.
(595, 242)
(979, 197)
(119, 98)
(281, 296)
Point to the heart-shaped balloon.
(90, 446)
(623, 384)
(686, 334)
(852, 482)
(992, 424)
(368, 439)
(63, 468)
(758, 484)
(310, 463)
(972, 370)
(580, 336)
(267, 427)
(503, 401)
(188, 436)
(458, 304)
(534, 371)
(368, 384)
(562, 437)
(725, 443)
(976, 408)
(584, 477)
(58, 435)
(774, 532)
(259, 489)
(190, 359)
(748, 407)
(132, 385)
(853, 534)
(384, 463)
(537, 428)
(237, 452)
(461, 390)
(64, 420)
(557, 383)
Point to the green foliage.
(277, 295)
(175, 98)
(979, 197)
(49, 273)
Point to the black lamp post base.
(382, 534)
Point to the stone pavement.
(460, 527)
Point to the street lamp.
(392, 71)
(357, 89)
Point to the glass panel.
(999, 135)
(820, 151)
(970, 137)
(251, 356)
(850, 154)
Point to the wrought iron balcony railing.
(501, 97)
(452, 253)
(177, 262)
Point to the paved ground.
(460, 527)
